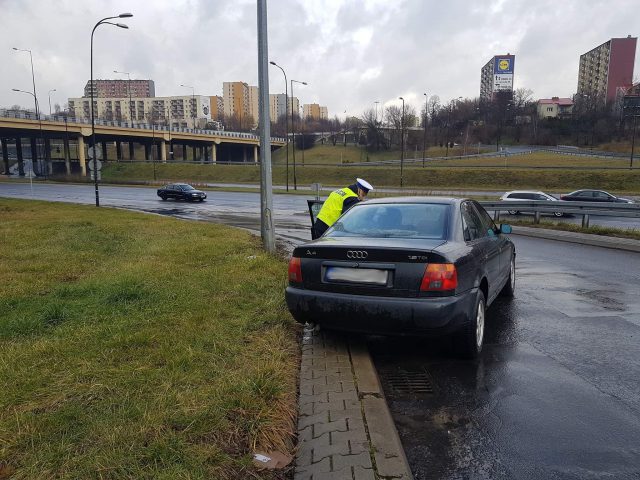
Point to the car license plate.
(356, 275)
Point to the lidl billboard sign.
(503, 65)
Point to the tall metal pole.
(286, 118)
(35, 100)
(266, 193)
(54, 90)
(93, 122)
(633, 141)
(424, 127)
(293, 134)
(402, 147)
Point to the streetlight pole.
(93, 122)
(402, 147)
(424, 128)
(286, 118)
(54, 90)
(40, 128)
(293, 133)
(193, 99)
(40, 125)
(33, 78)
(633, 140)
(129, 91)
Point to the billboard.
(503, 65)
(503, 68)
(205, 107)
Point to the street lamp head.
(305, 83)
(272, 63)
(122, 25)
(125, 15)
(400, 98)
(16, 90)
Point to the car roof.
(525, 191)
(416, 199)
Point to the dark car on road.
(405, 266)
(593, 196)
(181, 191)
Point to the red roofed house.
(555, 107)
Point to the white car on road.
(528, 195)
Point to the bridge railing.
(140, 126)
(585, 209)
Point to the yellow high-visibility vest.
(332, 207)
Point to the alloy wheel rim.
(480, 325)
(513, 275)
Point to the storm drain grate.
(409, 383)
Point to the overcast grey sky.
(351, 52)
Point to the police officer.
(338, 202)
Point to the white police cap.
(363, 184)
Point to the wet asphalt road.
(555, 393)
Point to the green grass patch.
(137, 346)
(556, 180)
(572, 227)
(338, 154)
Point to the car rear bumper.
(430, 316)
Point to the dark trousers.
(318, 229)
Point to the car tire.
(558, 214)
(509, 289)
(163, 197)
(513, 212)
(472, 337)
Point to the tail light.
(437, 277)
(295, 270)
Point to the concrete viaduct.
(52, 140)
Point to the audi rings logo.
(357, 254)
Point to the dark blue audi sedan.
(405, 266)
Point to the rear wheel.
(513, 212)
(472, 337)
(509, 288)
(558, 214)
(163, 197)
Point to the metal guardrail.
(586, 209)
(138, 126)
(538, 207)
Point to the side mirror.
(504, 228)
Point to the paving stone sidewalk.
(336, 438)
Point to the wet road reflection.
(555, 393)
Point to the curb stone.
(345, 429)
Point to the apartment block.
(606, 67)
(236, 101)
(315, 111)
(184, 111)
(120, 88)
(217, 107)
(277, 106)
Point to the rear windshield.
(411, 220)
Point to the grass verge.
(572, 227)
(467, 178)
(137, 346)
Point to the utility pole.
(402, 147)
(424, 128)
(266, 192)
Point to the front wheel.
(558, 214)
(509, 288)
(513, 212)
(472, 337)
(163, 197)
